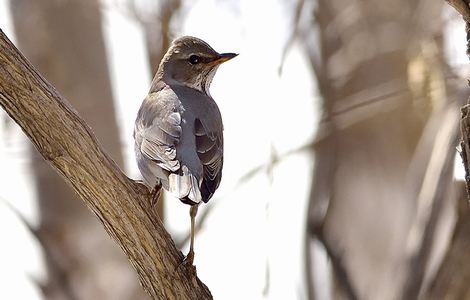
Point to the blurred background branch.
(61, 275)
(73, 236)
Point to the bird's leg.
(155, 194)
(192, 213)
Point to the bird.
(178, 131)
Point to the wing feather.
(157, 134)
(159, 130)
(209, 146)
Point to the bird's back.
(179, 142)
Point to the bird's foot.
(189, 259)
(187, 263)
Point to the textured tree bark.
(121, 204)
(465, 144)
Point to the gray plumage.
(178, 131)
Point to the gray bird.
(178, 131)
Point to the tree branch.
(121, 204)
(465, 144)
(436, 188)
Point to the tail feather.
(185, 186)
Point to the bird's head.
(192, 62)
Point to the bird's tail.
(185, 186)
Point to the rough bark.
(64, 40)
(121, 204)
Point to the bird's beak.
(223, 57)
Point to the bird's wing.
(158, 133)
(209, 146)
(158, 128)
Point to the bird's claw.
(187, 263)
(189, 259)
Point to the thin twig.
(435, 190)
(293, 34)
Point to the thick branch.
(121, 204)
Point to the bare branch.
(465, 144)
(293, 34)
(121, 204)
(435, 190)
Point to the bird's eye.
(194, 59)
